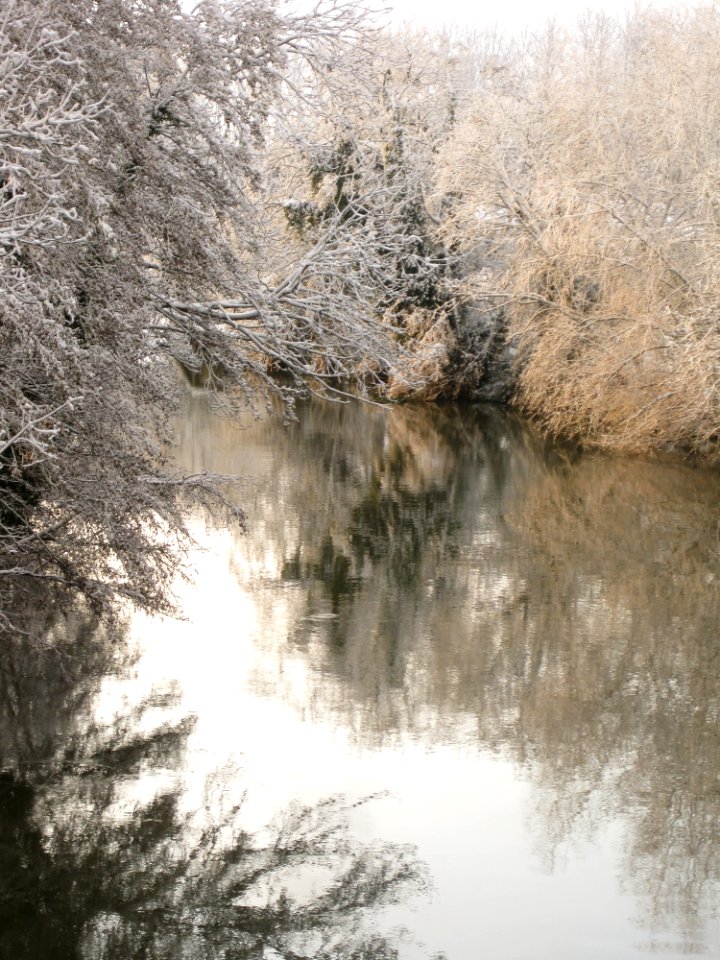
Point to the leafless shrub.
(583, 177)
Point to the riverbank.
(627, 391)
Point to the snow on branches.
(131, 232)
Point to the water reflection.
(518, 643)
(100, 855)
(449, 578)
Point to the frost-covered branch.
(132, 232)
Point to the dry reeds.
(587, 178)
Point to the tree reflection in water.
(88, 870)
(454, 570)
(441, 572)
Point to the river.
(454, 693)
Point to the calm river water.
(455, 694)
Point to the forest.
(283, 203)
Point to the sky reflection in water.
(514, 647)
(520, 647)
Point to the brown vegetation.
(586, 167)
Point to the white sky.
(510, 15)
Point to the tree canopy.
(131, 228)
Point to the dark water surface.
(452, 682)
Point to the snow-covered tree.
(351, 161)
(131, 233)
